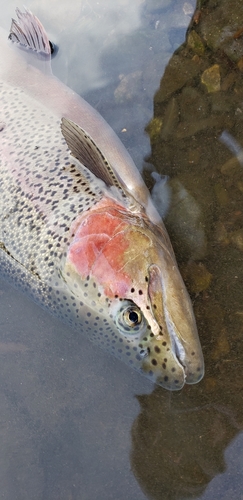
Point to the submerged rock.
(153, 128)
(177, 74)
(211, 78)
(128, 87)
(195, 43)
(186, 222)
(221, 194)
(171, 119)
(197, 276)
(237, 239)
(193, 105)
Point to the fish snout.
(177, 358)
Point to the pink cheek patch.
(85, 251)
(98, 250)
(108, 267)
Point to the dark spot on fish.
(173, 369)
(132, 290)
(176, 381)
(193, 353)
(157, 349)
(165, 360)
(151, 334)
(140, 292)
(154, 306)
(116, 296)
(154, 362)
(146, 278)
(147, 307)
(164, 366)
(166, 379)
(145, 339)
(164, 343)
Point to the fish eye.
(132, 316)
(130, 320)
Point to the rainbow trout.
(78, 230)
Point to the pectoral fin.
(84, 149)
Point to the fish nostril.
(144, 352)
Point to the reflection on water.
(67, 409)
(179, 441)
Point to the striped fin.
(29, 32)
(84, 149)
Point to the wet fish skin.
(86, 242)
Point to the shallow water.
(75, 422)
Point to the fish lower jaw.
(168, 373)
(173, 382)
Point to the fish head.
(120, 264)
(159, 313)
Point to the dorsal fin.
(84, 149)
(29, 32)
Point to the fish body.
(78, 230)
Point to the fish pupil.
(133, 317)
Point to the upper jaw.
(190, 358)
(178, 318)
